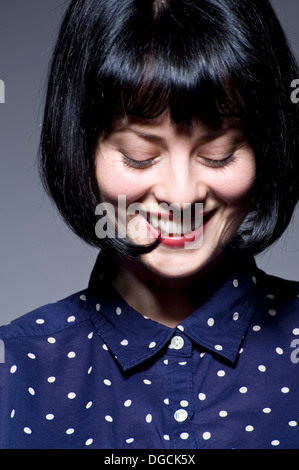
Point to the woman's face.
(191, 184)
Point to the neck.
(166, 301)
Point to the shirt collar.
(218, 325)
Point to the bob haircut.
(200, 59)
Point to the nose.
(180, 184)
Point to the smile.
(175, 233)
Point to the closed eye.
(223, 163)
(138, 164)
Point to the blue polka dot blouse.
(90, 372)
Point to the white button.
(177, 342)
(180, 415)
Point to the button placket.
(181, 380)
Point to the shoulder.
(279, 306)
(285, 292)
(49, 318)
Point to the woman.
(170, 142)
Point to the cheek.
(234, 188)
(114, 181)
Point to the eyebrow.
(144, 135)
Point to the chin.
(182, 266)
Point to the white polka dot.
(243, 390)
(184, 403)
(70, 431)
(71, 355)
(202, 396)
(124, 342)
(275, 442)
(83, 297)
(127, 403)
(279, 351)
(249, 428)
(109, 418)
(241, 350)
(183, 363)
(166, 401)
(31, 356)
(223, 414)
(89, 405)
(267, 410)
(12, 414)
(165, 362)
(51, 340)
(40, 321)
(235, 282)
(89, 370)
(271, 296)
(293, 424)
(118, 311)
(147, 382)
(166, 437)
(180, 327)
(149, 418)
(221, 373)
(90, 336)
(206, 436)
(130, 440)
(211, 321)
(105, 347)
(285, 390)
(71, 319)
(49, 417)
(236, 316)
(27, 431)
(256, 328)
(71, 395)
(296, 331)
(152, 345)
(98, 307)
(272, 312)
(31, 391)
(13, 369)
(254, 279)
(89, 442)
(218, 347)
(107, 382)
(262, 368)
(51, 380)
(184, 435)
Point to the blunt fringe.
(206, 59)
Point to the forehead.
(162, 124)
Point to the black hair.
(206, 59)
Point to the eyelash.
(131, 163)
(223, 163)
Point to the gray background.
(41, 260)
